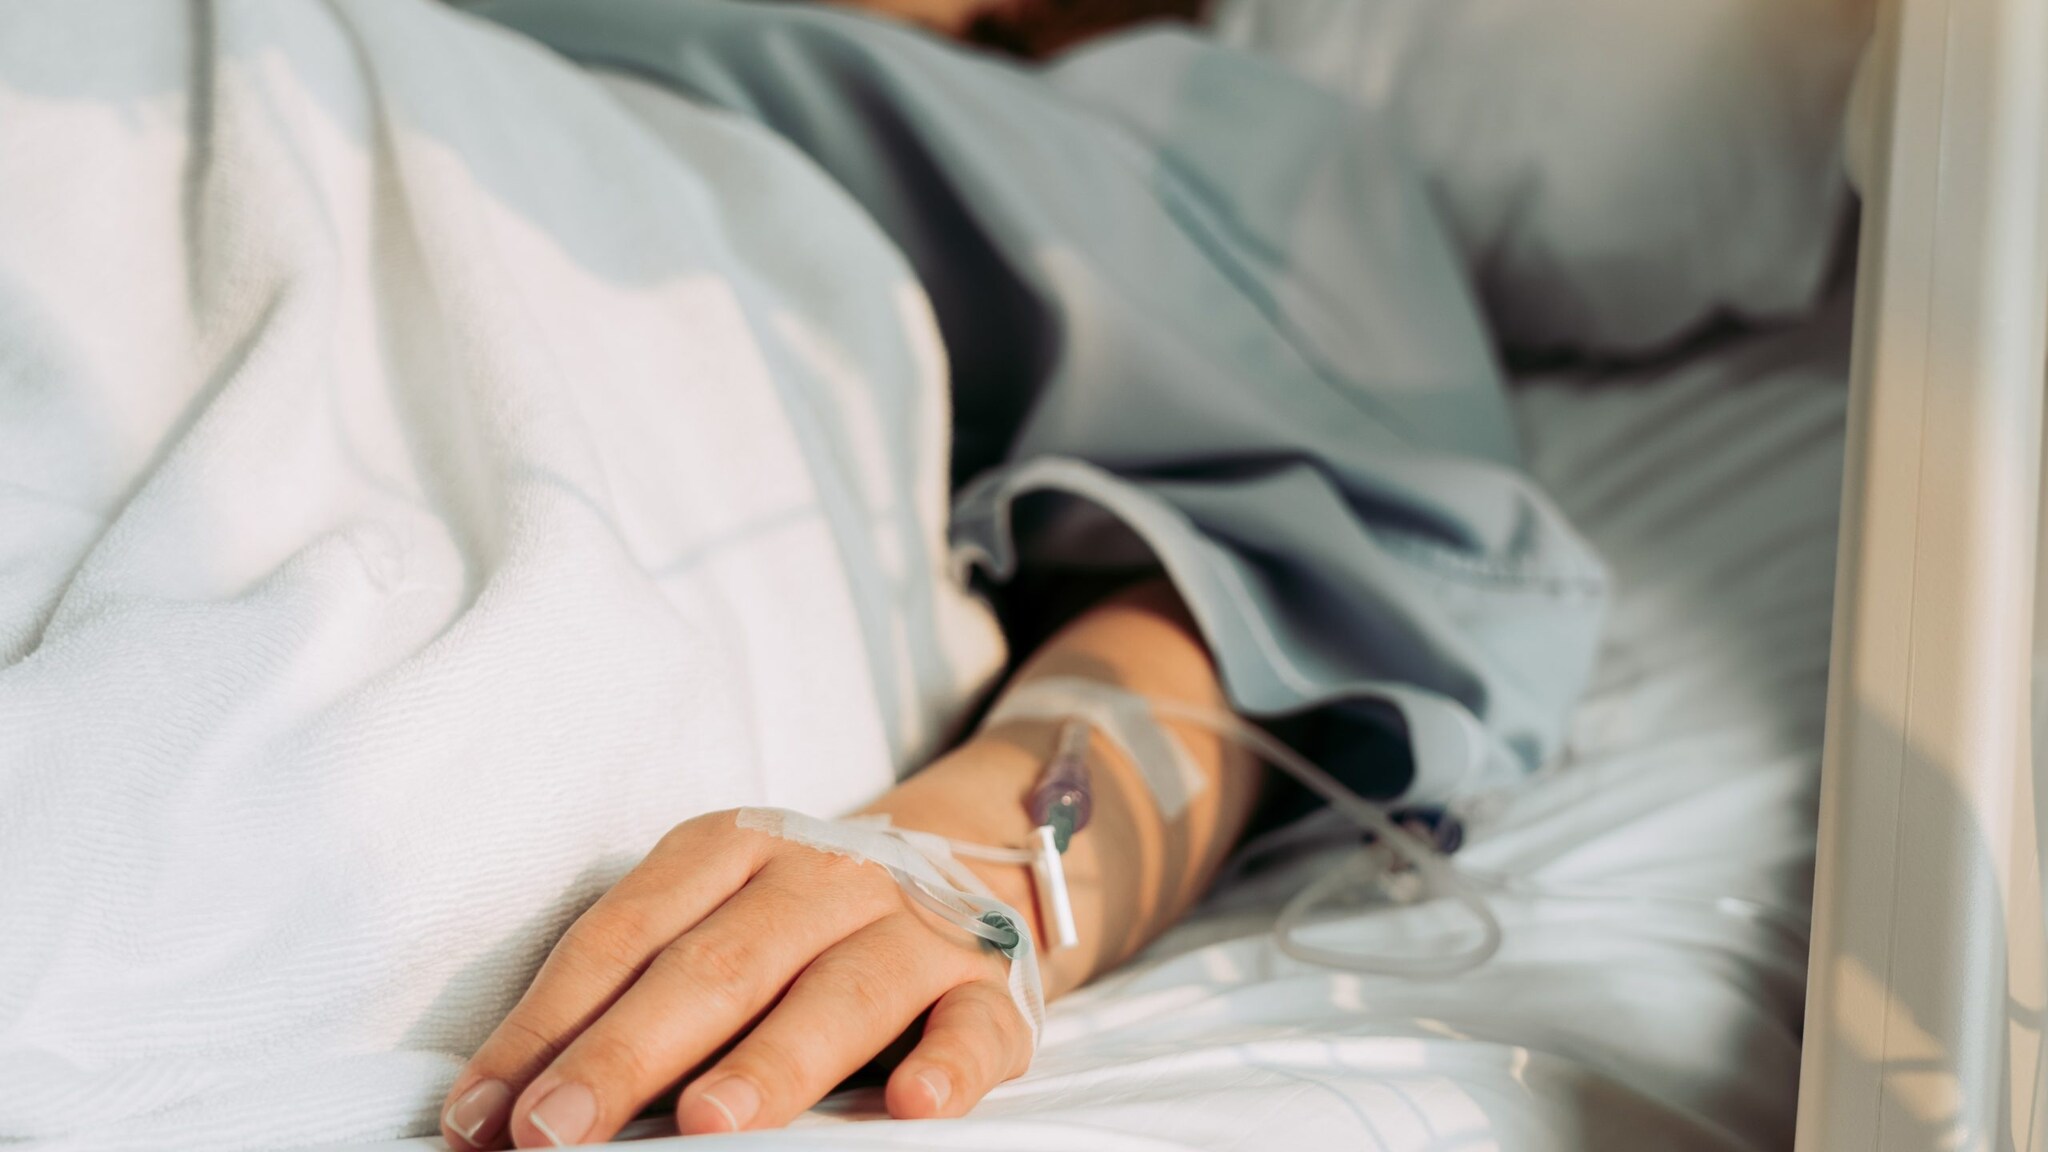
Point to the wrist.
(975, 793)
(978, 793)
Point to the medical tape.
(1161, 760)
(925, 867)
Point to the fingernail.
(937, 1083)
(565, 1115)
(737, 1099)
(477, 1114)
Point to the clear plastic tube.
(1437, 877)
(1790, 925)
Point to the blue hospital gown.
(1202, 316)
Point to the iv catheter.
(1059, 805)
(1061, 800)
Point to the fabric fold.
(1198, 319)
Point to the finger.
(847, 1006)
(975, 1039)
(697, 993)
(694, 869)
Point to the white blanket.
(403, 521)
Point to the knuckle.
(1014, 1033)
(991, 1015)
(854, 889)
(979, 1052)
(909, 953)
(993, 1004)
(676, 841)
(963, 1052)
(601, 1057)
(865, 978)
(879, 894)
(699, 831)
(779, 1068)
(519, 1048)
(609, 940)
(713, 825)
(857, 984)
(721, 968)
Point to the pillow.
(1617, 172)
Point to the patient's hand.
(760, 973)
(814, 962)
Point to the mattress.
(1652, 884)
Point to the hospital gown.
(1197, 318)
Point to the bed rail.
(1929, 969)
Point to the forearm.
(1132, 872)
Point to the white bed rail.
(1929, 970)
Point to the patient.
(762, 973)
(453, 456)
(769, 979)
(461, 443)
(759, 973)
(461, 454)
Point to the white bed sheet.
(1668, 1019)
